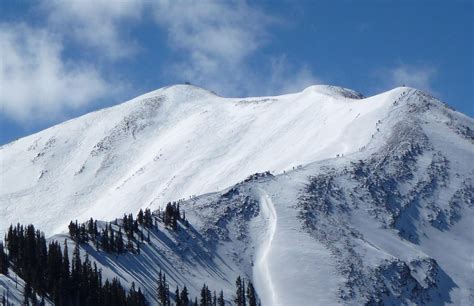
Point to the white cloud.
(285, 78)
(216, 41)
(96, 23)
(212, 30)
(36, 83)
(420, 77)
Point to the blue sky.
(62, 59)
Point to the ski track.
(286, 255)
(263, 277)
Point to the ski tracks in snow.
(263, 277)
(291, 267)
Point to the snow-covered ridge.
(176, 142)
(334, 91)
(364, 197)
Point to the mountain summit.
(173, 143)
(319, 197)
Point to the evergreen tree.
(148, 219)
(244, 299)
(220, 299)
(27, 294)
(45, 270)
(140, 217)
(163, 290)
(184, 297)
(206, 296)
(3, 261)
(90, 227)
(104, 241)
(95, 228)
(119, 242)
(239, 292)
(112, 239)
(251, 295)
(130, 245)
(177, 297)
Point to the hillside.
(174, 143)
(368, 200)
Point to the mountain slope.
(371, 200)
(173, 143)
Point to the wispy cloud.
(414, 76)
(217, 40)
(37, 83)
(216, 45)
(417, 76)
(98, 24)
(285, 77)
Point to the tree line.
(49, 274)
(112, 239)
(245, 294)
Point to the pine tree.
(251, 295)
(163, 290)
(112, 239)
(3, 261)
(206, 296)
(220, 299)
(184, 297)
(95, 228)
(140, 217)
(239, 292)
(104, 241)
(27, 294)
(203, 301)
(90, 227)
(177, 297)
(244, 299)
(119, 242)
(148, 219)
(45, 270)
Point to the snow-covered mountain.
(367, 200)
(174, 143)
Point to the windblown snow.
(367, 200)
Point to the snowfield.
(174, 143)
(367, 200)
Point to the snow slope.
(365, 197)
(173, 143)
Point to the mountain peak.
(334, 91)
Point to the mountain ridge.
(354, 203)
(95, 134)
